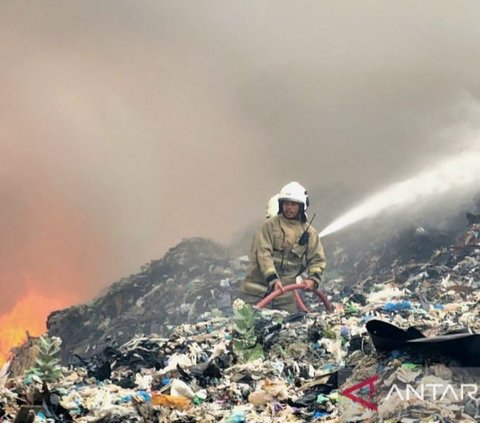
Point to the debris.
(177, 402)
(463, 347)
(405, 322)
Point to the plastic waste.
(142, 396)
(40, 417)
(319, 414)
(181, 389)
(179, 403)
(345, 332)
(238, 416)
(259, 398)
(397, 306)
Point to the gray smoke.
(128, 126)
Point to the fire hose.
(294, 287)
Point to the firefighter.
(272, 206)
(284, 247)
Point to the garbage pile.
(192, 278)
(342, 366)
(376, 259)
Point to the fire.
(29, 314)
(53, 250)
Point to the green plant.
(245, 344)
(351, 308)
(47, 368)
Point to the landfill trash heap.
(192, 278)
(165, 346)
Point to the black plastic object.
(464, 347)
(387, 337)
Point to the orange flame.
(29, 314)
(53, 250)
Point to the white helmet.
(294, 192)
(272, 206)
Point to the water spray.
(454, 173)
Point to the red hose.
(300, 304)
(294, 287)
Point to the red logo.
(367, 382)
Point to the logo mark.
(367, 382)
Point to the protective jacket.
(276, 253)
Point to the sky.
(128, 126)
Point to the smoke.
(49, 247)
(126, 127)
(452, 174)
